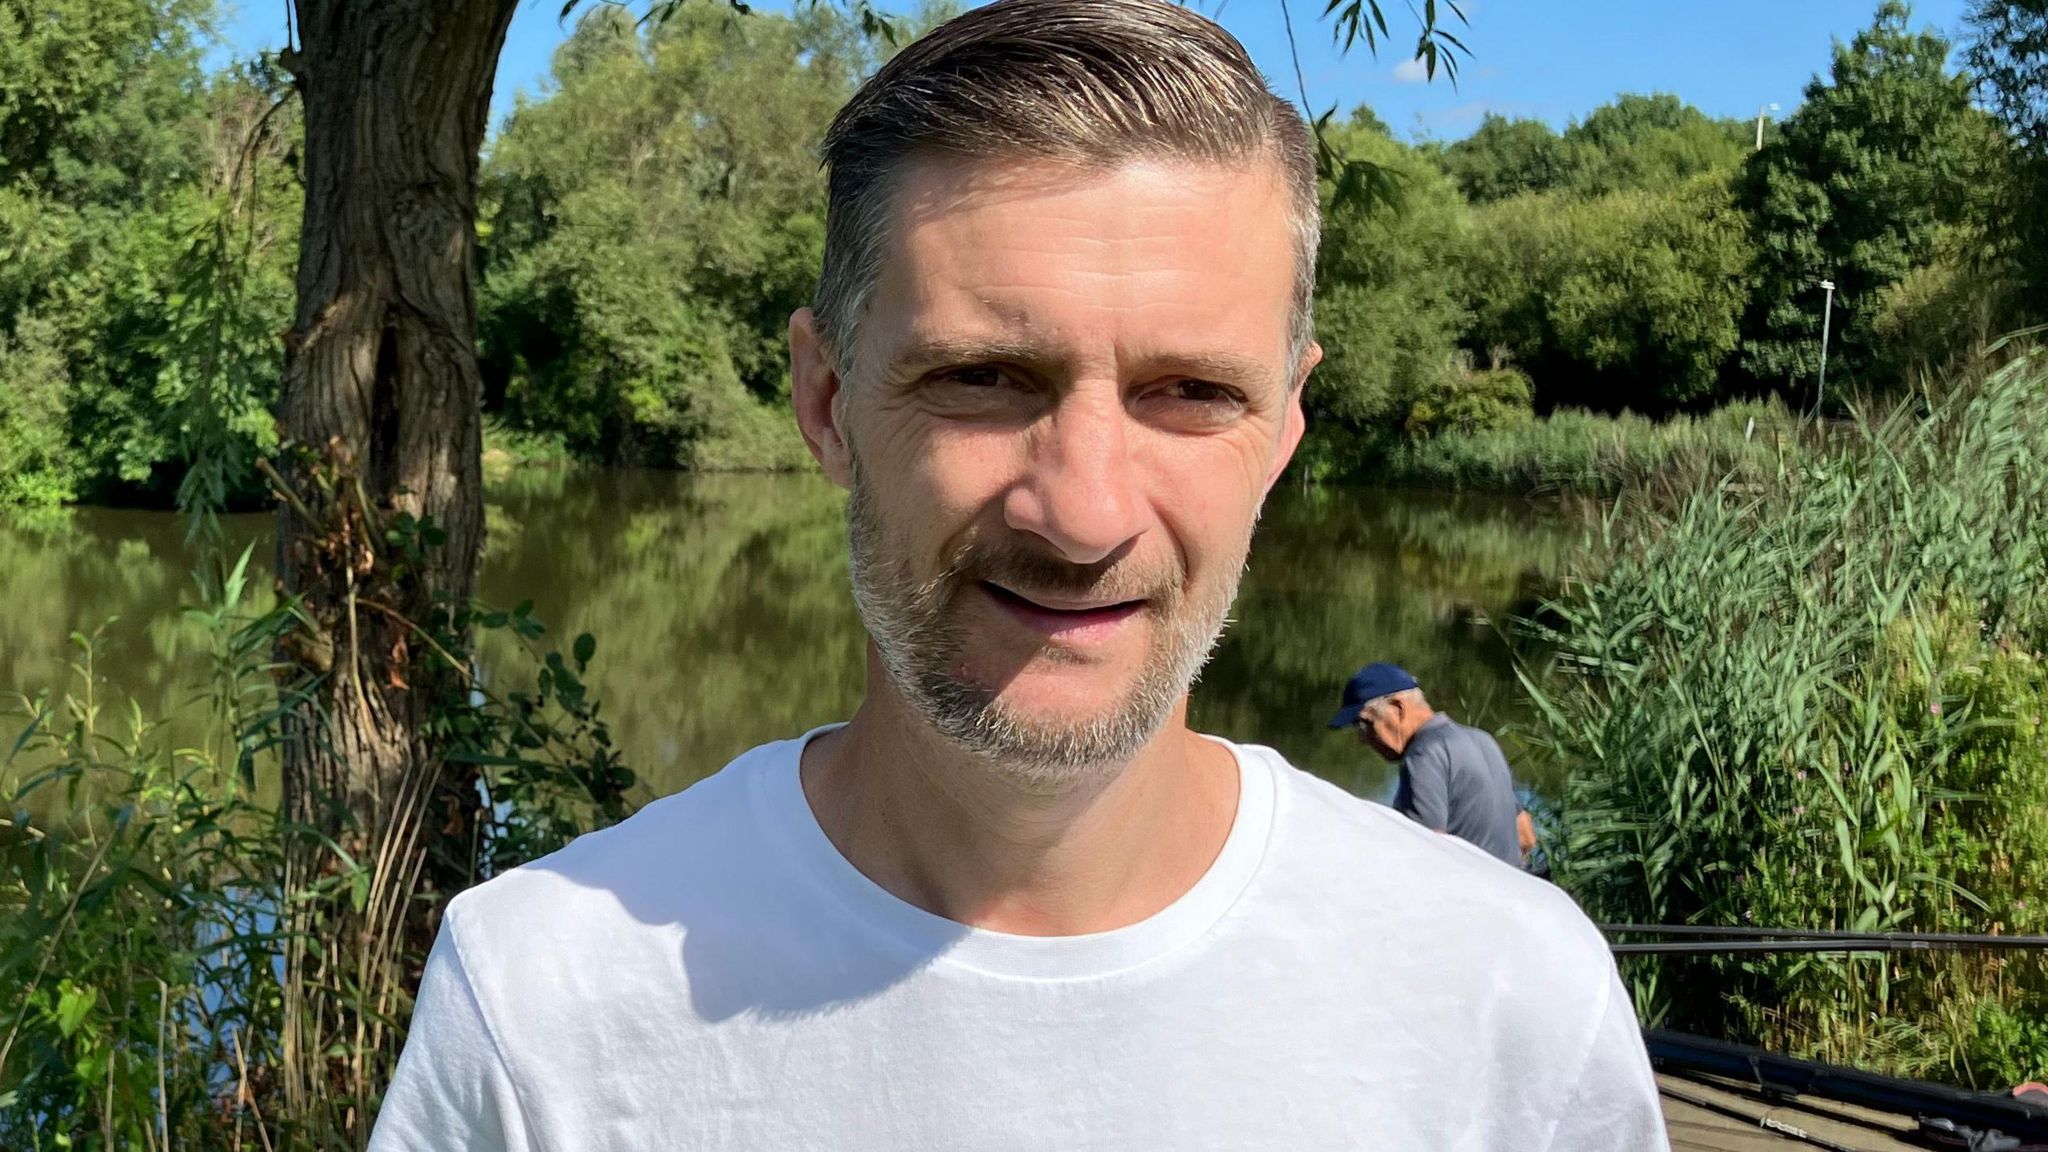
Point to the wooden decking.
(1695, 1124)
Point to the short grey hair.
(1405, 695)
(1096, 83)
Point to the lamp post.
(1827, 312)
(1760, 113)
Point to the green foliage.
(153, 941)
(1573, 451)
(87, 89)
(136, 934)
(2008, 54)
(1632, 142)
(1389, 306)
(35, 458)
(1942, 316)
(1435, 44)
(1625, 300)
(147, 233)
(640, 269)
(648, 226)
(1649, 142)
(1465, 400)
(1856, 188)
(1607, 262)
(1817, 703)
(1504, 158)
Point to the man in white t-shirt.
(1056, 357)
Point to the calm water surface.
(721, 610)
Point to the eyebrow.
(923, 355)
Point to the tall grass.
(1814, 699)
(1586, 453)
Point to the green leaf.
(73, 1003)
(586, 647)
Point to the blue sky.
(1551, 59)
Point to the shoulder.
(695, 836)
(1369, 871)
(1431, 743)
(1479, 736)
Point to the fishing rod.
(1708, 939)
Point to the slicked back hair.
(1094, 83)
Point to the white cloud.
(1411, 71)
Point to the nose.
(1081, 491)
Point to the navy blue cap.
(1372, 682)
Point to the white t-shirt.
(713, 974)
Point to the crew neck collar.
(786, 812)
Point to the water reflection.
(723, 620)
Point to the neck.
(936, 827)
(1423, 715)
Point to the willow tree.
(381, 404)
(380, 522)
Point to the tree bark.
(381, 407)
(381, 424)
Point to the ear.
(1294, 423)
(815, 393)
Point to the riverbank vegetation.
(170, 967)
(1819, 702)
(1519, 302)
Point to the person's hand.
(1525, 831)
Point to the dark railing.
(2018, 1119)
(1707, 939)
(1946, 1117)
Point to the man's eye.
(975, 376)
(1193, 405)
(1203, 392)
(983, 392)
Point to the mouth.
(1074, 620)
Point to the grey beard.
(919, 645)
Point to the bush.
(1817, 703)
(1464, 400)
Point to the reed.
(1813, 698)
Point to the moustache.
(1025, 570)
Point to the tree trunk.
(381, 424)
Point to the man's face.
(1071, 392)
(1382, 728)
(1385, 726)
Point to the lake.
(722, 615)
